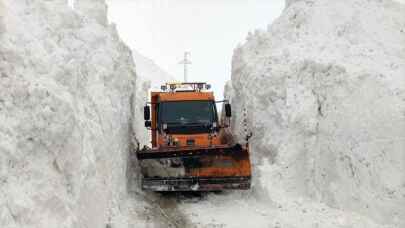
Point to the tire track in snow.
(164, 210)
(168, 206)
(163, 207)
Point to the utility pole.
(185, 62)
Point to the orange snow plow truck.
(191, 149)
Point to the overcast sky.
(210, 29)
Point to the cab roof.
(184, 91)
(184, 96)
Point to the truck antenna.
(186, 62)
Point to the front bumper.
(196, 183)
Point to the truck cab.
(190, 145)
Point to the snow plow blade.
(195, 169)
(147, 153)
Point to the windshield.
(187, 113)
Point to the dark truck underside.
(195, 183)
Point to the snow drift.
(66, 85)
(149, 77)
(325, 92)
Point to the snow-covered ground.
(325, 92)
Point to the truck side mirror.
(146, 113)
(148, 123)
(228, 110)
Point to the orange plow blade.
(195, 169)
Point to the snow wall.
(149, 77)
(324, 89)
(66, 87)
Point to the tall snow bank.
(325, 92)
(66, 82)
(148, 71)
(150, 77)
